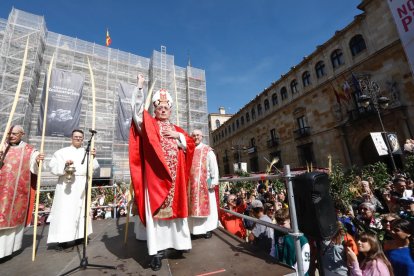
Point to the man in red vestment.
(160, 161)
(19, 161)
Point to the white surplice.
(11, 239)
(161, 234)
(68, 208)
(197, 225)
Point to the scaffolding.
(111, 66)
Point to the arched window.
(259, 109)
(320, 69)
(242, 120)
(283, 93)
(253, 114)
(337, 58)
(306, 78)
(237, 123)
(266, 104)
(247, 117)
(233, 127)
(274, 99)
(294, 86)
(357, 44)
(217, 123)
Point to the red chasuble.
(149, 165)
(16, 188)
(199, 205)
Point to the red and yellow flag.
(108, 39)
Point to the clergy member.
(19, 162)
(68, 208)
(160, 161)
(202, 205)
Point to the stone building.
(313, 111)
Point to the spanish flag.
(108, 39)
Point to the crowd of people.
(374, 236)
(175, 178)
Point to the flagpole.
(16, 96)
(91, 156)
(42, 142)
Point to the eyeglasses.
(271, 209)
(385, 221)
(363, 240)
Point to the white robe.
(11, 239)
(200, 226)
(68, 208)
(161, 234)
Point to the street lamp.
(372, 94)
(239, 149)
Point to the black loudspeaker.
(314, 205)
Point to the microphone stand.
(84, 261)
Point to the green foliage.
(378, 172)
(409, 166)
(340, 188)
(278, 185)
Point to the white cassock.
(199, 226)
(161, 234)
(68, 208)
(11, 239)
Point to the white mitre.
(160, 96)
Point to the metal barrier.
(294, 231)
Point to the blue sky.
(242, 45)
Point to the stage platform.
(223, 254)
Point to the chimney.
(222, 110)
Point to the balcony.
(272, 143)
(361, 112)
(302, 132)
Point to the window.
(253, 142)
(306, 155)
(247, 117)
(237, 123)
(294, 86)
(283, 93)
(225, 131)
(274, 99)
(217, 123)
(273, 134)
(301, 122)
(259, 109)
(229, 128)
(242, 120)
(232, 127)
(266, 104)
(320, 69)
(253, 114)
(357, 44)
(337, 58)
(306, 78)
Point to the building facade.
(110, 66)
(313, 111)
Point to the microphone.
(92, 131)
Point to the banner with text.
(64, 104)
(124, 91)
(403, 13)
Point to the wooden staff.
(16, 96)
(91, 157)
(129, 204)
(149, 96)
(39, 174)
